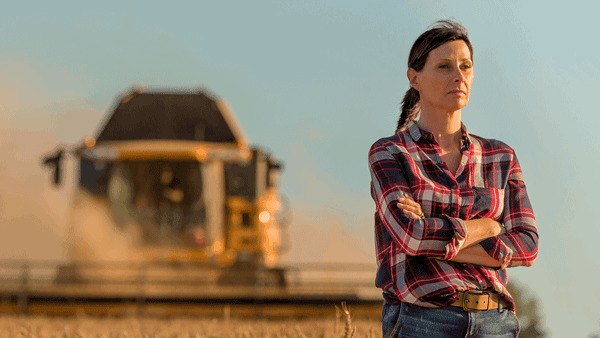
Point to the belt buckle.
(475, 297)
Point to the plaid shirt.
(413, 254)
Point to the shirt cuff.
(499, 251)
(457, 241)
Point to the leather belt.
(475, 301)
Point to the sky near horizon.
(316, 83)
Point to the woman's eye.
(443, 66)
(467, 66)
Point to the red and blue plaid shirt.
(413, 254)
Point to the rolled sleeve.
(519, 245)
(499, 251)
(457, 241)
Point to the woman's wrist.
(481, 229)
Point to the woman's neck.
(445, 126)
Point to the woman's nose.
(458, 75)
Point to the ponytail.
(410, 108)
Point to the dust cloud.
(37, 219)
(39, 111)
(320, 235)
(32, 213)
(330, 223)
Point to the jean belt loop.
(500, 308)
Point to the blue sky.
(317, 82)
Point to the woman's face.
(445, 81)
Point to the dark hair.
(441, 32)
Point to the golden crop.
(342, 326)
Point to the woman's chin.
(456, 105)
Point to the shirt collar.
(417, 133)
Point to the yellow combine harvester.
(170, 179)
(174, 213)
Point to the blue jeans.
(405, 320)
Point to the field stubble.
(341, 326)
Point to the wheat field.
(341, 326)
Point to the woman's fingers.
(409, 203)
(411, 213)
(410, 207)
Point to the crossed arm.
(477, 231)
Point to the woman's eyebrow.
(463, 59)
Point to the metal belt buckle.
(475, 300)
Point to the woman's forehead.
(453, 50)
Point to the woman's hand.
(410, 207)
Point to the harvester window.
(246, 220)
(164, 198)
(240, 180)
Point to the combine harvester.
(175, 213)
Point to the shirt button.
(451, 212)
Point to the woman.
(452, 212)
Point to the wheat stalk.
(282, 333)
(349, 331)
(336, 330)
(300, 334)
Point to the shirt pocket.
(486, 202)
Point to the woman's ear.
(411, 74)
